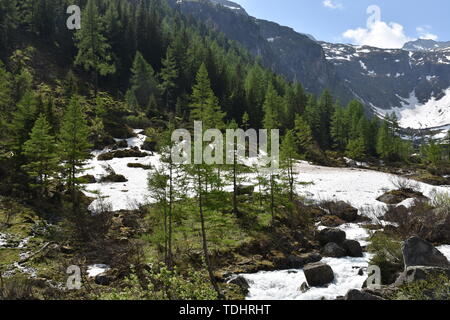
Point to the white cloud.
(332, 4)
(379, 34)
(424, 33)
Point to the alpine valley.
(103, 102)
(413, 82)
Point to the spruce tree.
(93, 48)
(74, 146)
(40, 150)
(143, 83)
(169, 73)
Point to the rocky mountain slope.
(297, 56)
(413, 82)
(425, 45)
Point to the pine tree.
(143, 83)
(40, 151)
(74, 147)
(204, 104)
(93, 48)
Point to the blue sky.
(346, 20)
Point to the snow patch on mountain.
(416, 115)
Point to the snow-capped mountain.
(414, 83)
(425, 45)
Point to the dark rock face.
(385, 78)
(333, 250)
(285, 51)
(380, 78)
(331, 235)
(353, 248)
(418, 252)
(343, 210)
(425, 45)
(361, 295)
(241, 282)
(318, 274)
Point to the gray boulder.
(343, 210)
(318, 274)
(331, 235)
(353, 248)
(396, 214)
(333, 250)
(362, 295)
(103, 279)
(417, 273)
(418, 252)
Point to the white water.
(285, 285)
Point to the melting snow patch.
(96, 269)
(445, 250)
(416, 115)
(2, 239)
(359, 187)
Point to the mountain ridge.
(380, 78)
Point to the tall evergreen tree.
(143, 83)
(169, 74)
(204, 104)
(74, 146)
(93, 48)
(43, 160)
(8, 21)
(272, 105)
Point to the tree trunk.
(204, 242)
(170, 262)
